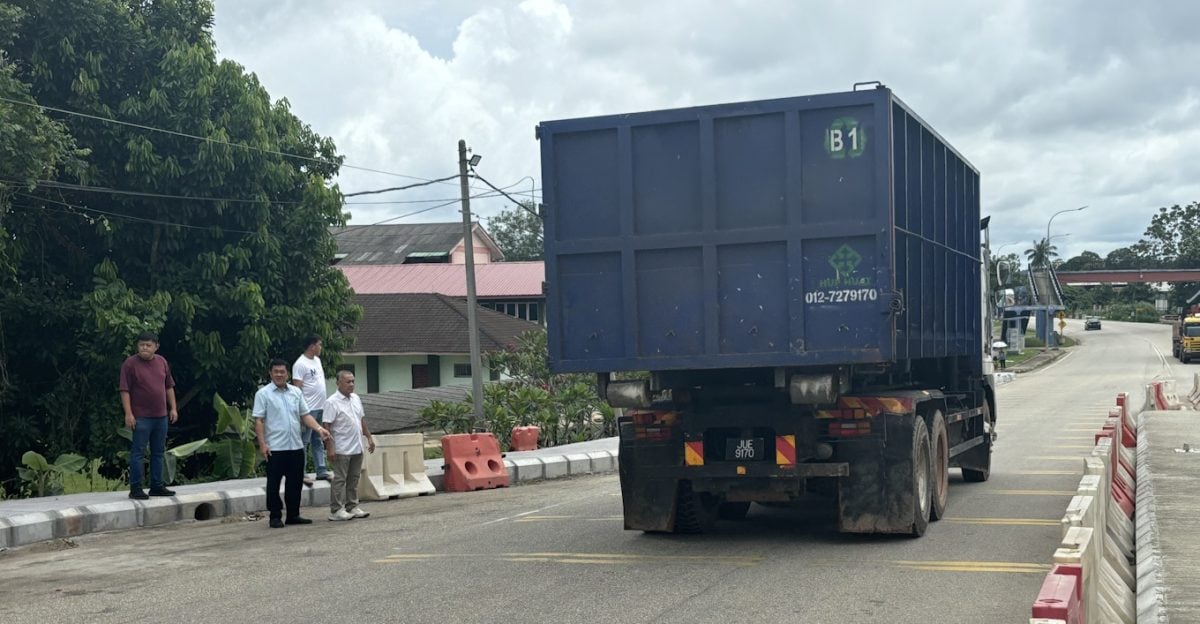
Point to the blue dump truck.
(785, 296)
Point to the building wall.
(395, 371)
(483, 254)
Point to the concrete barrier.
(396, 469)
(1077, 549)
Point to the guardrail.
(1103, 524)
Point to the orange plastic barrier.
(524, 438)
(1059, 598)
(473, 462)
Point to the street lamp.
(1052, 221)
(1049, 323)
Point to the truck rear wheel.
(922, 477)
(695, 512)
(940, 446)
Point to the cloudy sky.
(1058, 104)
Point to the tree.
(1086, 261)
(1041, 254)
(1123, 258)
(233, 276)
(518, 233)
(1173, 239)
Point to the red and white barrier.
(1098, 530)
(1194, 395)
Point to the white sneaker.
(341, 514)
(359, 513)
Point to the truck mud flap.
(648, 498)
(883, 492)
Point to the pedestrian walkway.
(32, 520)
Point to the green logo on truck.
(845, 262)
(845, 138)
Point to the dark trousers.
(153, 431)
(287, 466)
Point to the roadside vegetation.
(565, 407)
(229, 263)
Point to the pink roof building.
(496, 280)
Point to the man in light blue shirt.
(280, 412)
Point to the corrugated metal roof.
(429, 323)
(389, 244)
(495, 279)
(399, 411)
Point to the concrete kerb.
(97, 512)
(526, 469)
(1151, 592)
(31, 528)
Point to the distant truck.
(1185, 335)
(784, 295)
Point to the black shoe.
(138, 494)
(276, 523)
(298, 520)
(161, 491)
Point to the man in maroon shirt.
(148, 398)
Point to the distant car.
(1091, 322)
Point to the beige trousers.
(343, 492)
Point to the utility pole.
(472, 317)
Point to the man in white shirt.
(309, 376)
(343, 417)
(280, 414)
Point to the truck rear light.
(850, 429)
(654, 426)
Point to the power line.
(399, 188)
(112, 191)
(428, 201)
(531, 211)
(118, 215)
(264, 150)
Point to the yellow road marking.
(584, 558)
(1035, 492)
(1048, 472)
(548, 518)
(975, 566)
(1004, 521)
(609, 559)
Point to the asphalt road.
(555, 552)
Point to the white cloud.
(1058, 105)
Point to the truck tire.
(983, 467)
(939, 442)
(695, 512)
(922, 467)
(733, 511)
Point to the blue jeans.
(313, 440)
(152, 431)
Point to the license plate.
(745, 449)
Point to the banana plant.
(235, 454)
(46, 477)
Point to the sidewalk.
(32, 520)
(1039, 360)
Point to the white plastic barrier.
(1077, 549)
(396, 469)
(1097, 534)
